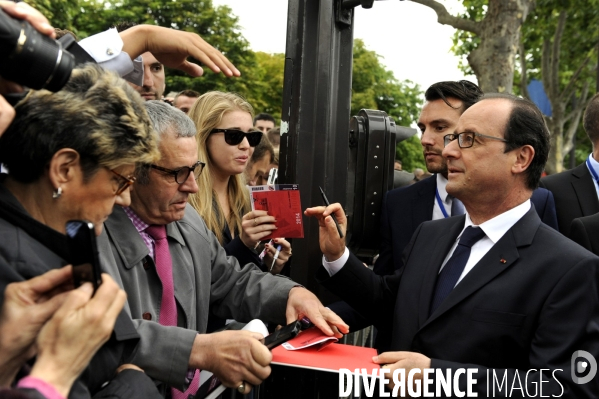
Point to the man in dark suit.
(495, 290)
(576, 191)
(585, 231)
(404, 209)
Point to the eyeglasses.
(466, 139)
(183, 173)
(124, 182)
(234, 136)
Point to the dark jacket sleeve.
(545, 205)
(384, 265)
(129, 384)
(579, 234)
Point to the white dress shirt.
(445, 198)
(494, 229)
(106, 48)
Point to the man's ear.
(64, 166)
(524, 156)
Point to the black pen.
(326, 202)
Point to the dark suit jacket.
(530, 303)
(404, 209)
(585, 231)
(575, 195)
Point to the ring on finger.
(241, 388)
(255, 223)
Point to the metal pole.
(315, 117)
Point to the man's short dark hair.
(526, 126)
(63, 32)
(465, 91)
(186, 93)
(590, 121)
(264, 117)
(123, 25)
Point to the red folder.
(331, 358)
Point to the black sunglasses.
(182, 174)
(234, 136)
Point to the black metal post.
(315, 117)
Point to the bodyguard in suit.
(173, 270)
(576, 191)
(496, 289)
(585, 231)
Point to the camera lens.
(32, 59)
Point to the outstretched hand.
(172, 47)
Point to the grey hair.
(166, 119)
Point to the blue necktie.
(454, 267)
(457, 207)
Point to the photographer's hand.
(27, 306)
(34, 17)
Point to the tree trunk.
(555, 124)
(499, 32)
(493, 60)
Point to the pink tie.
(168, 307)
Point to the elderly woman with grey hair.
(70, 155)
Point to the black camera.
(34, 60)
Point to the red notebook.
(331, 358)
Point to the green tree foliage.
(60, 13)
(409, 152)
(574, 60)
(375, 87)
(270, 74)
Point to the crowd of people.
(95, 145)
(482, 263)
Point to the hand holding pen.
(330, 234)
(327, 203)
(277, 253)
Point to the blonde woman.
(226, 139)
